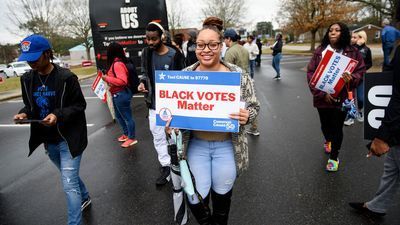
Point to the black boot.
(201, 212)
(221, 206)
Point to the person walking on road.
(387, 141)
(117, 80)
(238, 55)
(216, 158)
(157, 56)
(277, 55)
(360, 44)
(259, 45)
(252, 48)
(54, 103)
(337, 38)
(389, 37)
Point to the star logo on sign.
(162, 76)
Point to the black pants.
(332, 128)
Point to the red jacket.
(118, 81)
(319, 96)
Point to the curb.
(19, 94)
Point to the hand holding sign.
(168, 129)
(242, 116)
(347, 77)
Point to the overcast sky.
(258, 10)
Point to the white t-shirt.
(252, 49)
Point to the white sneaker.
(348, 122)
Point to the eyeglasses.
(210, 45)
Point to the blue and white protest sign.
(198, 100)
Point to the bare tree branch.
(230, 11)
(77, 22)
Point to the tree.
(230, 11)
(312, 15)
(8, 53)
(176, 16)
(265, 28)
(36, 16)
(77, 22)
(385, 8)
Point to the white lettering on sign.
(127, 1)
(373, 116)
(129, 17)
(378, 96)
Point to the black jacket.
(191, 57)
(69, 109)
(277, 48)
(366, 54)
(148, 73)
(389, 131)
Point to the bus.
(123, 21)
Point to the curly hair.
(344, 38)
(214, 23)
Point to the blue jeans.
(390, 183)
(387, 49)
(276, 59)
(73, 186)
(123, 112)
(360, 95)
(252, 65)
(213, 166)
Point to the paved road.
(285, 184)
(376, 50)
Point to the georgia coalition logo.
(165, 114)
(25, 46)
(222, 123)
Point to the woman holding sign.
(216, 158)
(337, 39)
(117, 79)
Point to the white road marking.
(87, 98)
(27, 125)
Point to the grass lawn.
(10, 84)
(82, 71)
(13, 83)
(288, 52)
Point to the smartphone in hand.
(25, 121)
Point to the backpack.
(133, 79)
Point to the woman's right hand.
(168, 129)
(142, 88)
(329, 99)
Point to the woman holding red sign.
(337, 38)
(217, 158)
(117, 79)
